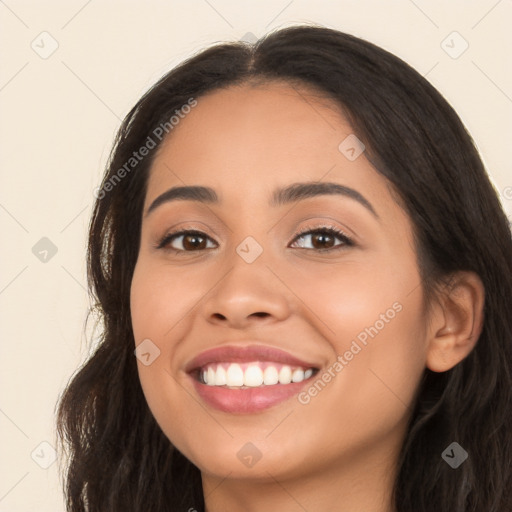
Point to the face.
(321, 287)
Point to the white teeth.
(220, 376)
(235, 375)
(285, 375)
(253, 376)
(270, 376)
(298, 375)
(211, 376)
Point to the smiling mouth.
(255, 374)
(248, 379)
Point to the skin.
(338, 451)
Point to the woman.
(304, 275)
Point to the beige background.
(59, 116)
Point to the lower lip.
(247, 400)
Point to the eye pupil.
(322, 238)
(194, 244)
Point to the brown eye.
(323, 239)
(193, 242)
(190, 241)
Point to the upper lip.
(245, 354)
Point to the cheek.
(159, 302)
(357, 300)
(160, 298)
(374, 322)
(377, 335)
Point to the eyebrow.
(280, 197)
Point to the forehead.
(274, 117)
(245, 141)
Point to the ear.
(456, 322)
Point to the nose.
(248, 295)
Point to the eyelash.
(331, 230)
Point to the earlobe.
(457, 322)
